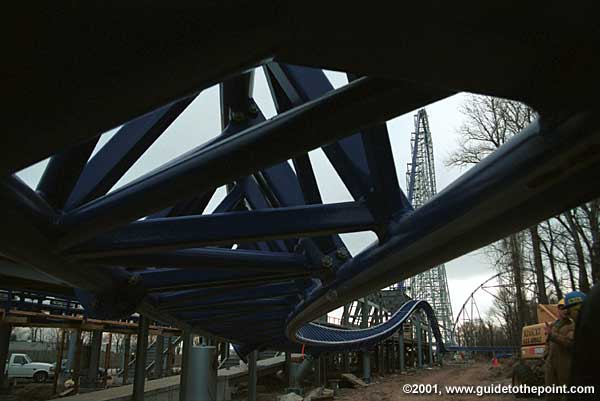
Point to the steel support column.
(170, 356)
(188, 341)
(318, 370)
(288, 368)
(5, 332)
(71, 350)
(366, 366)
(430, 345)
(389, 347)
(139, 378)
(59, 357)
(159, 357)
(77, 361)
(107, 356)
(401, 349)
(94, 362)
(199, 373)
(125, 358)
(419, 342)
(252, 375)
(366, 359)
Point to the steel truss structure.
(431, 285)
(269, 260)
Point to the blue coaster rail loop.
(270, 257)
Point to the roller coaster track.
(315, 338)
(269, 259)
(331, 339)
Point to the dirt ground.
(389, 388)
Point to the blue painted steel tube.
(191, 297)
(139, 378)
(338, 113)
(193, 231)
(27, 225)
(166, 280)
(62, 172)
(126, 146)
(210, 258)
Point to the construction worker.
(559, 343)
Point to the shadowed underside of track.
(269, 259)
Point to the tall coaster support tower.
(432, 284)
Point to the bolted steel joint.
(253, 110)
(134, 279)
(342, 254)
(327, 261)
(238, 116)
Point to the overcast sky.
(201, 121)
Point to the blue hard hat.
(574, 298)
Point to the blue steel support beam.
(193, 205)
(239, 315)
(126, 146)
(14, 193)
(355, 106)
(235, 95)
(292, 86)
(386, 197)
(63, 171)
(307, 179)
(229, 228)
(200, 259)
(230, 302)
(186, 298)
(252, 305)
(167, 280)
(256, 199)
(27, 224)
(230, 201)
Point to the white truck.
(20, 365)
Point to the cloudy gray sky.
(201, 121)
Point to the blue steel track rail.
(270, 257)
(323, 338)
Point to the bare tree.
(538, 265)
(489, 123)
(549, 249)
(565, 246)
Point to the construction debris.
(290, 397)
(349, 377)
(319, 394)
